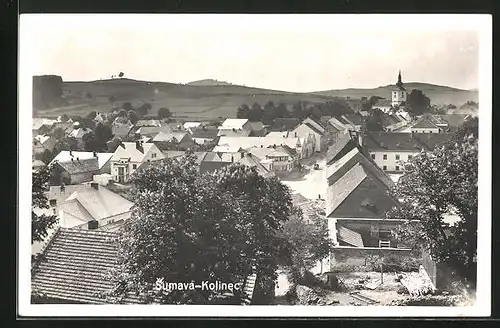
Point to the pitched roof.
(401, 141)
(425, 123)
(335, 151)
(173, 153)
(162, 136)
(39, 122)
(383, 102)
(129, 150)
(79, 133)
(80, 165)
(343, 187)
(350, 237)
(279, 134)
(99, 203)
(454, 120)
(37, 163)
(313, 128)
(256, 126)
(148, 123)
(153, 130)
(249, 142)
(42, 138)
(284, 124)
(252, 161)
(121, 130)
(355, 118)
(205, 133)
(191, 125)
(75, 266)
(66, 155)
(61, 194)
(233, 123)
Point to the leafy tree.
(243, 111)
(374, 121)
(417, 102)
(67, 143)
(64, 118)
(451, 106)
(308, 242)
(269, 113)
(58, 133)
(143, 109)
(256, 112)
(127, 106)
(443, 181)
(112, 99)
(298, 110)
(40, 224)
(92, 143)
(282, 111)
(121, 74)
(164, 112)
(123, 113)
(132, 116)
(92, 115)
(103, 132)
(191, 227)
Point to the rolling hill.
(438, 94)
(211, 99)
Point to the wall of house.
(82, 177)
(109, 220)
(370, 230)
(302, 131)
(347, 258)
(398, 97)
(426, 130)
(391, 162)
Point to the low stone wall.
(343, 258)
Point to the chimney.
(78, 160)
(95, 154)
(62, 188)
(94, 185)
(360, 139)
(72, 159)
(93, 224)
(295, 134)
(242, 154)
(232, 159)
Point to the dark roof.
(339, 148)
(355, 118)
(382, 102)
(75, 264)
(80, 166)
(206, 133)
(256, 126)
(284, 124)
(121, 131)
(350, 237)
(454, 120)
(403, 141)
(314, 128)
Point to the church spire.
(400, 83)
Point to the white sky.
(284, 52)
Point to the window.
(134, 166)
(384, 243)
(385, 157)
(153, 155)
(397, 168)
(384, 168)
(410, 156)
(397, 156)
(373, 156)
(384, 238)
(53, 202)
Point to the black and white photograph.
(255, 165)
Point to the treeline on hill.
(47, 91)
(300, 109)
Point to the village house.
(75, 171)
(37, 165)
(150, 122)
(129, 156)
(152, 131)
(385, 105)
(204, 135)
(42, 125)
(305, 129)
(182, 139)
(391, 151)
(426, 125)
(192, 126)
(121, 131)
(103, 159)
(258, 129)
(235, 127)
(42, 143)
(78, 134)
(281, 124)
(214, 161)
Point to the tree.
(269, 113)
(443, 181)
(127, 106)
(64, 118)
(417, 102)
(92, 143)
(132, 116)
(123, 113)
(112, 99)
(121, 74)
(164, 112)
(58, 133)
(256, 112)
(298, 110)
(243, 111)
(103, 133)
(40, 223)
(374, 121)
(67, 143)
(282, 111)
(143, 109)
(92, 115)
(308, 242)
(191, 227)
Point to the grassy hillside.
(204, 101)
(184, 101)
(438, 94)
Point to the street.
(313, 183)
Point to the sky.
(299, 53)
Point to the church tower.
(399, 94)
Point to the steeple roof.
(399, 84)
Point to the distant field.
(205, 102)
(184, 101)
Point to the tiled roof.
(355, 118)
(42, 138)
(173, 153)
(343, 187)
(153, 130)
(454, 120)
(284, 124)
(233, 123)
(37, 163)
(344, 143)
(39, 122)
(66, 155)
(337, 124)
(148, 123)
(121, 130)
(80, 165)
(278, 134)
(75, 266)
(191, 125)
(249, 142)
(256, 126)
(129, 150)
(350, 237)
(79, 133)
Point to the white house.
(305, 130)
(235, 127)
(129, 156)
(426, 125)
(42, 143)
(104, 159)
